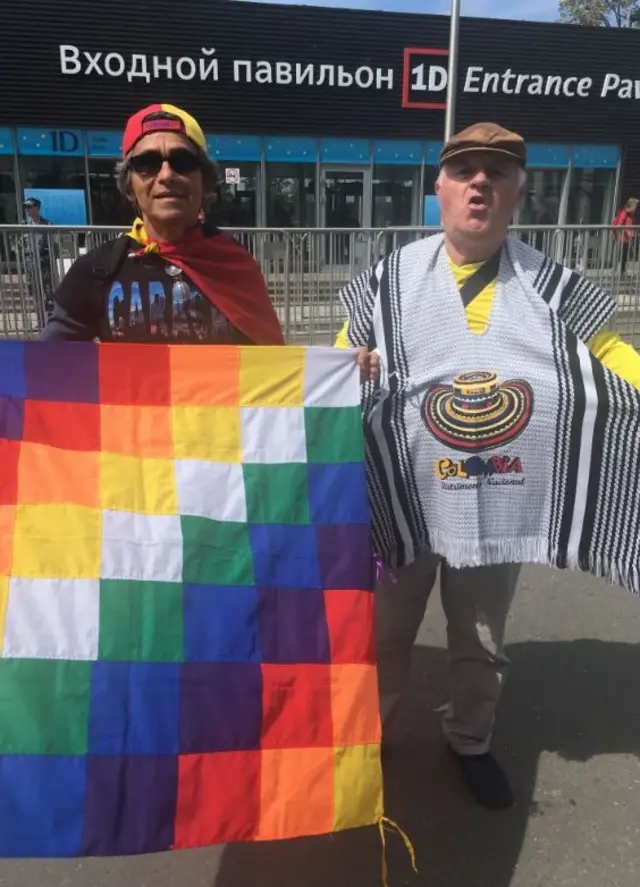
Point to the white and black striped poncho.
(574, 498)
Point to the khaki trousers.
(476, 603)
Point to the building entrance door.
(345, 202)
(346, 197)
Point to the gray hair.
(208, 167)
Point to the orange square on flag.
(144, 431)
(297, 796)
(48, 475)
(7, 521)
(354, 704)
(9, 461)
(189, 387)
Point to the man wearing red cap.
(173, 277)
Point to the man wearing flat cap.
(499, 391)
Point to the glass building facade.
(297, 181)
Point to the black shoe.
(486, 780)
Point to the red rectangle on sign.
(409, 53)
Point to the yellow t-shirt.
(606, 345)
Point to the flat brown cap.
(486, 137)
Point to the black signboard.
(245, 67)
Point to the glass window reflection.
(542, 198)
(394, 188)
(52, 172)
(8, 208)
(541, 204)
(291, 195)
(108, 206)
(236, 203)
(591, 196)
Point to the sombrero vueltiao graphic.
(478, 412)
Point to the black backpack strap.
(105, 267)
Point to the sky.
(529, 10)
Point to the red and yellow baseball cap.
(162, 118)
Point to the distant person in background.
(542, 217)
(37, 254)
(32, 211)
(625, 220)
(543, 214)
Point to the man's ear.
(438, 183)
(132, 201)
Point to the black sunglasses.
(149, 163)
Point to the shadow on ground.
(575, 698)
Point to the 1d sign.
(50, 141)
(424, 78)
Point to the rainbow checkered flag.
(186, 616)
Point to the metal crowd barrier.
(304, 268)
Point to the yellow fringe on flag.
(390, 825)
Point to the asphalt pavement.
(568, 734)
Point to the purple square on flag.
(131, 804)
(62, 371)
(11, 418)
(221, 707)
(346, 558)
(293, 626)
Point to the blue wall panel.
(6, 140)
(62, 206)
(431, 210)
(297, 149)
(345, 151)
(548, 155)
(292, 149)
(396, 151)
(104, 143)
(595, 156)
(234, 147)
(432, 153)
